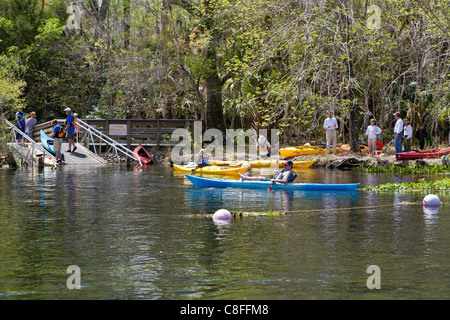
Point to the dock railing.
(115, 147)
(30, 155)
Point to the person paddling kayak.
(285, 175)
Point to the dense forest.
(233, 63)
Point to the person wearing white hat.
(70, 129)
(264, 147)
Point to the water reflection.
(148, 234)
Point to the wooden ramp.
(81, 156)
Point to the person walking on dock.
(398, 132)
(31, 122)
(330, 125)
(371, 133)
(70, 129)
(57, 135)
(20, 123)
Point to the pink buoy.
(222, 215)
(431, 200)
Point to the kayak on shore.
(423, 154)
(307, 150)
(216, 170)
(263, 163)
(246, 184)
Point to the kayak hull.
(264, 163)
(426, 154)
(215, 170)
(47, 143)
(143, 154)
(246, 184)
(306, 151)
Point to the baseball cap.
(289, 162)
(67, 109)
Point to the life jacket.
(60, 134)
(290, 180)
(70, 124)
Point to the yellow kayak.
(263, 163)
(306, 151)
(269, 163)
(220, 170)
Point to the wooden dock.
(82, 156)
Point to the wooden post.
(128, 139)
(158, 133)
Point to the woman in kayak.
(285, 175)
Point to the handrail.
(111, 142)
(34, 143)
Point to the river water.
(149, 234)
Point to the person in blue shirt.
(57, 135)
(70, 129)
(20, 123)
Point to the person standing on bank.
(57, 135)
(70, 129)
(20, 123)
(371, 133)
(330, 125)
(408, 135)
(398, 132)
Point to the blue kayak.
(47, 143)
(246, 184)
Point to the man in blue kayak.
(284, 175)
(70, 129)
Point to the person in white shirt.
(330, 125)
(398, 132)
(371, 133)
(264, 147)
(408, 135)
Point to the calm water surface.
(149, 235)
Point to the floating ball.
(222, 215)
(431, 200)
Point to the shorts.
(70, 134)
(57, 143)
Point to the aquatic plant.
(422, 185)
(413, 168)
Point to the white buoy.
(222, 215)
(431, 200)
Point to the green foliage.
(279, 64)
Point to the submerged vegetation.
(422, 185)
(413, 168)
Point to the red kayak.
(144, 155)
(428, 154)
